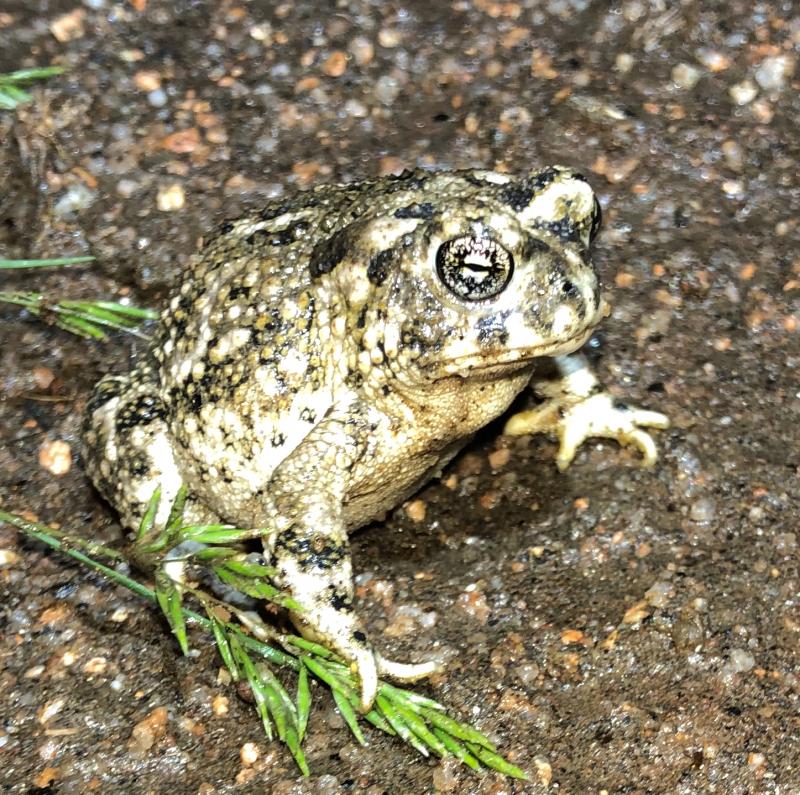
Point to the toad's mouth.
(489, 363)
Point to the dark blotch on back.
(518, 195)
(407, 180)
(379, 267)
(143, 411)
(425, 211)
(328, 253)
(280, 237)
(303, 201)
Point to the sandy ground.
(616, 630)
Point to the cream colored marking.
(391, 339)
(364, 362)
(385, 232)
(228, 343)
(520, 334)
(549, 204)
(564, 320)
(293, 364)
(495, 177)
(160, 451)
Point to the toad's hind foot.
(577, 407)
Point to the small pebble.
(70, 26)
(386, 89)
(743, 93)
(415, 510)
(739, 661)
(624, 63)
(248, 754)
(8, 557)
(336, 64)
(389, 37)
(77, 197)
(702, 510)
(362, 50)
(55, 456)
(147, 80)
(50, 710)
(171, 198)
(157, 98)
(148, 731)
(544, 770)
(685, 76)
(773, 72)
(220, 705)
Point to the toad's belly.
(370, 499)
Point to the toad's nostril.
(569, 289)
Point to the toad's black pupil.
(474, 268)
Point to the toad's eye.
(474, 268)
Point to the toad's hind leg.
(578, 407)
(128, 452)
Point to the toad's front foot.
(577, 407)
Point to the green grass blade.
(454, 748)
(311, 647)
(125, 310)
(273, 701)
(64, 543)
(223, 645)
(410, 697)
(397, 723)
(245, 665)
(280, 702)
(14, 95)
(77, 325)
(318, 669)
(417, 725)
(84, 318)
(148, 520)
(6, 102)
(216, 534)
(171, 602)
(213, 553)
(102, 315)
(256, 588)
(176, 510)
(496, 762)
(11, 95)
(303, 707)
(246, 569)
(34, 73)
(456, 729)
(349, 714)
(12, 264)
(379, 722)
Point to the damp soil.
(614, 629)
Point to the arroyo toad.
(323, 358)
